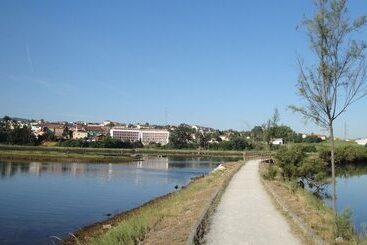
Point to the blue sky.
(224, 64)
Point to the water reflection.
(9, 168)
(62, 197)
(352, 193)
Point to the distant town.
(148, 134)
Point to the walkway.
(246, 214)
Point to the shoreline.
(62, 157)
(98, 155)
(214, 184)
(97, 227)
(183, 152)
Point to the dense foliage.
(344, 155)
(181, 137)
(106, 143)
(296, 164)
(185, 137)
(11, 132)
(234, 144)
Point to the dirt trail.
(246, 214)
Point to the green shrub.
(344, 225)
(290, 159)
(312, 139)
(309, 148)
(350, 154)
(271, 172)
(296, 165)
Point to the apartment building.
(146, 136)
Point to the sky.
(218, 63)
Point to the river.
(351, 192)
(43, 201)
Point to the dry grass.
(312, 211)
(166, 220)
(308, 208)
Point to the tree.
(257, 133)
(338, 79)
(270, 128)
(181, 137)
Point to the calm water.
(352, 193)
(41, 200)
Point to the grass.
(313, 212)
(35, 155)
(167, 220)
(179, 152)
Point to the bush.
(344, 225)
(312, 139)
(290, 159)
(309, 148)
(296, 165)
(234, 144)
(271, 172)
(106, 143)
(351, 154)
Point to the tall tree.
(181, 137)
(338, 79)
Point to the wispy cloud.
(52, 86)
(29, 57)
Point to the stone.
(107, 226)
(339, 240)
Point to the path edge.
(296, 220)
(198, 232)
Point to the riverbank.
(170, 219)
(310, 216)
(71, 154)
(180, 152)
(34, 155)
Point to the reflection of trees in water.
(352, 170)
(8, 169)
(173, 162)
(322, 190)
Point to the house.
(278, 141)
(57, 129)
(96, 130)
(361, 141)
(80, 134)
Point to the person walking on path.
(246, 214)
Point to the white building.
(361, 141)
(278, 141)
(146, 136)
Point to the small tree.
(339, 77)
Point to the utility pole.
(345, 131)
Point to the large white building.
(146, 136)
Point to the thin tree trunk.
(333, 180)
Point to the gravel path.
(246, 215)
